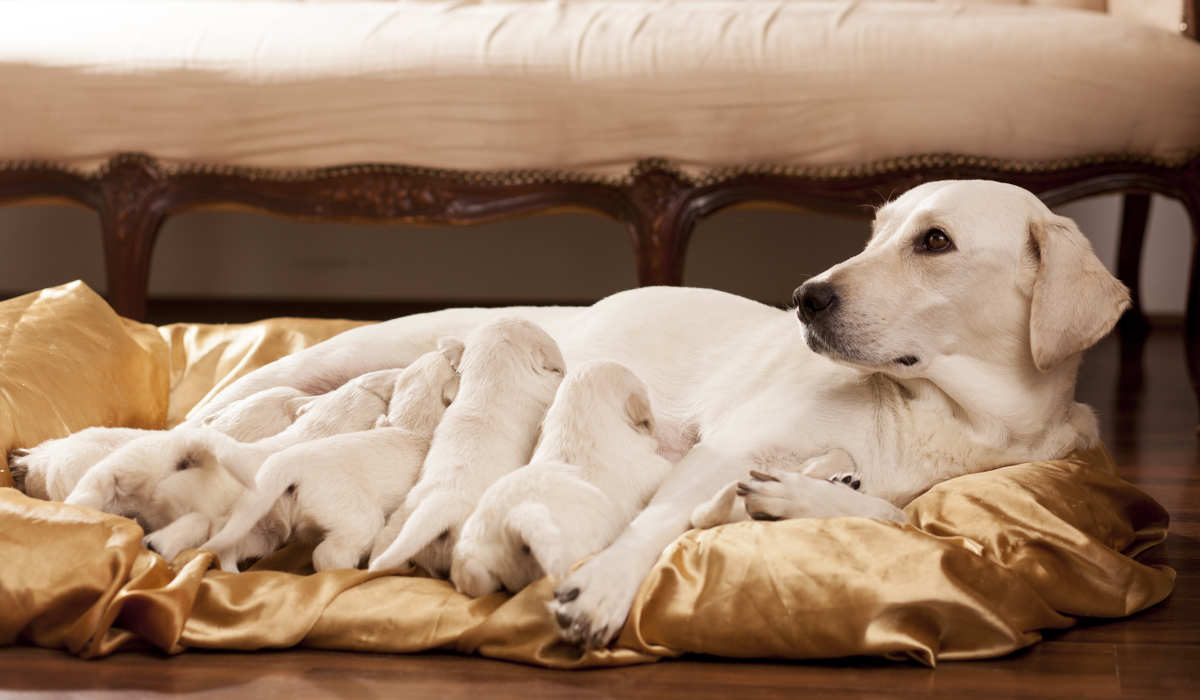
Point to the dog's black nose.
(813, 298)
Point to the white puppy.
(341, 488)
(595, 467)
(53, 468)
(510, 371)
(177, 483)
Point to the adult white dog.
(950, 345)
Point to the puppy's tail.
(435, 514)
(252, 507)
(532, 525)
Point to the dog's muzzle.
(815, 300)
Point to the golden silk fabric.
(988, 561)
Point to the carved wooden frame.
(658, 203)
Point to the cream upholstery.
(588, 85)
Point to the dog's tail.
(254, 505)
(532, 525)
(434, 515)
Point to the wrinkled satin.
(988, 561)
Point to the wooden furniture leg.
(1135, 212)
(132, 205)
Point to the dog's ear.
(637, 409)
(298, 406)
(1076, 301)
(452, 348)
(450, 389)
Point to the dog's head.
(513, 357)
(425, 388)
(157, 478)
(602, 409)
(962, 269)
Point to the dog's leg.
(185, 532)
(350, 521)
(795, 495)
(835, 465)
(591, 604)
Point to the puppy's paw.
(591, 604)
(18, 466)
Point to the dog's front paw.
(767, 497)
(591, 604)
(795, 495)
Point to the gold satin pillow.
(987, 562)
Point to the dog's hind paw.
(851, 479)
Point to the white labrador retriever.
(595, 467)
(341, 488)
(177, 482)
(509, 372)
(53, 468)
(949, 345)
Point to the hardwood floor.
(1148, 416)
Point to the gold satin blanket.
(989, 559)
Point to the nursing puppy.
(948, 346)
(510, 371)
(341, 488)
(181, 478)
(52, 469)
(595, 467)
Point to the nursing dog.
(177, 483)
(950, 345)
(51, 469)
(595, 467)
(339, 489)
(509, 373)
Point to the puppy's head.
(155, 479)
(962, 269)
(513, 355)
(425, 388)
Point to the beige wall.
(758, 253)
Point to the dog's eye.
(183, 464)
(935, 240)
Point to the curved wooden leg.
(1191, 201)
(660, 225)
(1135, 212)
(132, 207)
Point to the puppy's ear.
(298, 406)
(452, 348)
(450, 389)
(637, 409)
(1076, 301)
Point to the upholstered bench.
(655, 113)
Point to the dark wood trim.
(1191, 17)
(659, 204)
